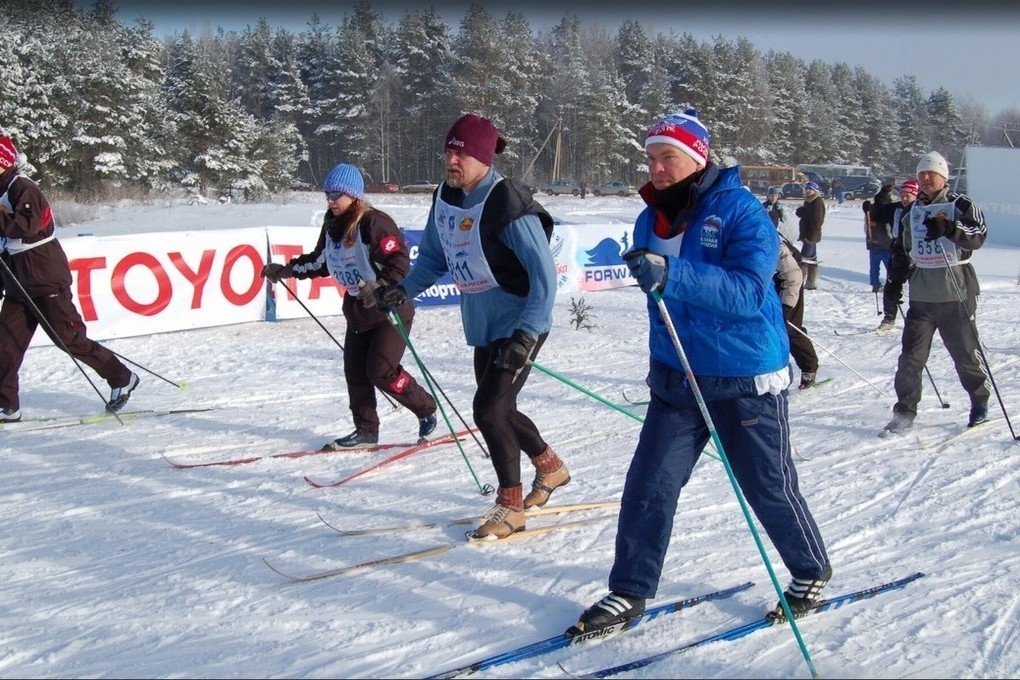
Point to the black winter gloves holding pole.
(390, 296)
(275, 271)
(513, 354)
(938, 226)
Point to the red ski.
(317, 452)
(445, 439)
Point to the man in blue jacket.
(493, 238)
(707, 246)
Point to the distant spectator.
(878, 234)
(812, 215)
(773, 207)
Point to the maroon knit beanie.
(475, 136)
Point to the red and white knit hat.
(684, 131)
(9, 155)
(909, 187)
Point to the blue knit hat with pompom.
(346, 179)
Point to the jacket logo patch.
(710, 232)
(749, 423)
(389, 245)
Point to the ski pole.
(182, 386)
(703, 407)
(945, 404)
(973, 327)
(432, 382)
(316, 320)
(48, 328)
(568, 381)
(833, 355)
(591, 394)
(486, 489)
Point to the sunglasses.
(334, 195)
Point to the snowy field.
(118, 565)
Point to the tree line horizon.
(96, 104)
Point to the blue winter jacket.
(719, 290)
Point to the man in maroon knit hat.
(492, 237)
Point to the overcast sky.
(970, 48)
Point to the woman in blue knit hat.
(362, 248)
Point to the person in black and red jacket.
(362, 248)
(37, 291)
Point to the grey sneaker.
(355, 440)
(119, 395)
(901, 422)
(887, 325)
(978, 414)
(426, 426)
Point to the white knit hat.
(933, 161)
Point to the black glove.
(390, 296)
(937, 226)
(866, 206)
(787, 313)
(648, 268)
(513, 354)
(799, 212)
(275, 271)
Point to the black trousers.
(19, 323)
(801, 348)
(371, 361)
(506, 430)
(954, 322)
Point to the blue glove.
(648, 268)
(390, 296)
(938, 226)
(515, 352)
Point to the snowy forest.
(100, 106)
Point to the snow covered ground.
(118, 565)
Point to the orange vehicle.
(758, 178)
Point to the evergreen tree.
(522, 71)
(911, 121)
(788, 111)
(948, 135)
(423, 65)
(822, 127)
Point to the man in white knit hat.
(940, 232)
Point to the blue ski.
(562, 640)
(746, 629)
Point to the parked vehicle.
(561, 186)
(617, 188)
(793, 190)
(758, 178)
(860, 187)
(419, 186)
(382, 187)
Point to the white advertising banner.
(322, 296)
(141, 284)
